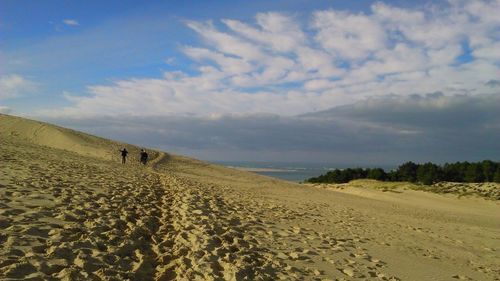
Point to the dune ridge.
(69, 215)
(49, 135)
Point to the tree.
(474, 173)
(377, 174)
(335, 176)
(428, 173)
(407, 172)
(496, 177)
(452, 172)
(489, 167)
(392, 175)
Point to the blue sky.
(201, 75)
(115, 39)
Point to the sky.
(346, 82)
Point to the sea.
(296, 172)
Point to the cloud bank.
(381, 130)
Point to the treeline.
(428, 173)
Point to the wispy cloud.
(281, 65)
(71, 22)
(13, 85)
(170, 60)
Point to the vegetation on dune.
(428, 173)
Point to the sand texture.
(66, 214)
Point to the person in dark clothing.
(124, 155)
(144, 156)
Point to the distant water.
(296, 172)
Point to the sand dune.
(70, 211)
(44, 134)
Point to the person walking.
(144, 157)
(124, 155)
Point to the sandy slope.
(61, 138)
(69, 214)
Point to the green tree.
(337, 176)
(428, 173)
(377, 174)
(474, 173)
(407, 172)
(452, 172)
(496, 177)
(489, 167)
(392, 175)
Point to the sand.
(66, 214)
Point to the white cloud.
(170, 60)
(71, 22)
(225, 43)
(313, 60)
(388, 14)
(230, 65)
(483, 11)
(282, 65)
(279, 32)
(445, 55)
(434, 27)
(402, 58)
(347, 35)
(318, 84)
(13, 85)
(488, 52)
